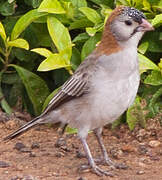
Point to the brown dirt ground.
(49, 162)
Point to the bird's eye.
(128, 22)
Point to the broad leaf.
(135, 114)
(80, 23)
(153, 38)
(48, 99)
(91, 14)
(90, 45)
(160, 64)
(2, 32)
(54, 61)
(75, 58)
(51, 6)
(21, 43)
(82, 37)
(60, 36)
(145, 64)
(91, 31)
(35, 86)
(79, 3)
(42, 51)
(146, 5)
(155, 78)
(24, 21)
(7, 9)
(143, 47)
(157, 20)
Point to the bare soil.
(44, 157)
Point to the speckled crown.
(135, 14)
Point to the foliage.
(61, 33)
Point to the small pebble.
(59, 154)
(32, 154)
(60, 142)
(142, 149)
(25, 150)
(81, 178)
(65, 148)
(4, 164)
(116, 153)
(140, 172)
(154, 143)
(128, 148)
(16, 178)
(142, 164)
(154, 158)
(35, 145)
(18, 146)
(80, 154)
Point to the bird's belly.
(114, 98)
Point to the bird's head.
(124, 27)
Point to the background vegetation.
(55, 36)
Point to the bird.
(103, 86)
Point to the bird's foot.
(97, 170)
(110, 163)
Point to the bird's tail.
(23, 129)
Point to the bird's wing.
(74, 87)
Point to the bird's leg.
(91, 162)
(107, 160)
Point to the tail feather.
(23, 129)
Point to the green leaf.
(51, 6)
(48, 99)
(153, 105)
(145, 64)
(24, 21)
(70, 130)
(91, 31)
(70, 10)
(42, 51)
(91, 14)
(153, 38)
(146, 5)
(81, 38)
(2, 32)
(90, 45)
(3, 102)
(10, 78)
(143, 47)
(7, 9)
(79, 3)
(36, 87)
(20, 43)
(75, 58)
(60, 36)
(25, 56)
(155, 78)
(160, 64)
(33, 3)
(54, 61)
(157, 21)
(80, 23)
(135, 114)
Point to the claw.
(101, 172)
(96, 170)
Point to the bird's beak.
(145, 26)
